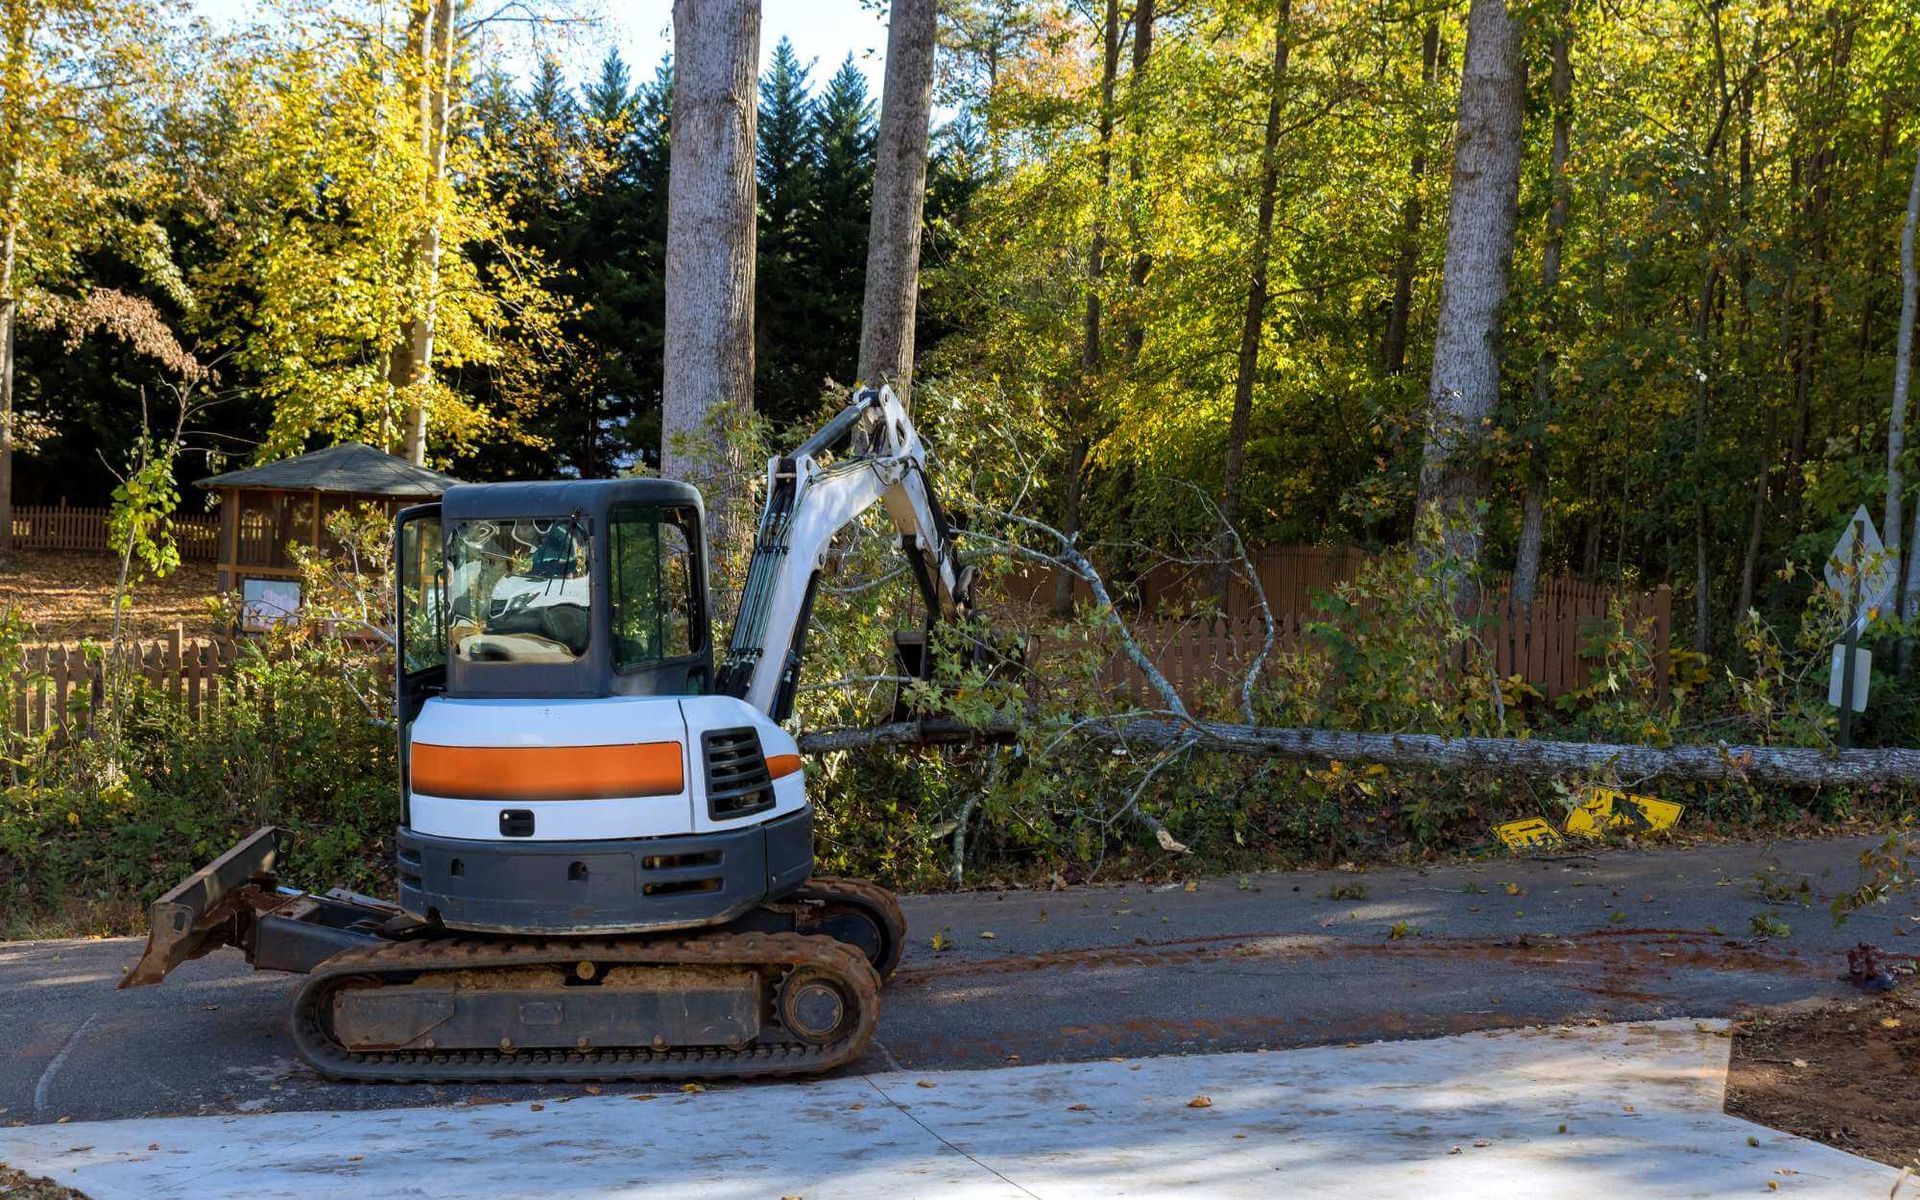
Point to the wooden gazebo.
(267, 510)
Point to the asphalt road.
(1268, 960)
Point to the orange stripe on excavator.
(548, 772)
(781, 765)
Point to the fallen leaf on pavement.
(988, 934)
(537, 1107)
(1200, 1102)
(692, 1088)
(1076, 1108)
(925, 1083)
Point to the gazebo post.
(229, 538)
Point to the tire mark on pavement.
(44, 1084)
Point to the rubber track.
(781, 951)
(874, 898)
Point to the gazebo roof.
(350, 467)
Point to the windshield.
(518, 591)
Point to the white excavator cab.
(566, 768)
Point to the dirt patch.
(1613, 956)
(68, 595)
(1847, 1074)
(18, 1185)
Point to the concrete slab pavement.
(1605, 1112)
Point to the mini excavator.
(605, 846)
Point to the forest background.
(1183, 266)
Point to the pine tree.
(835, 228)
(621, 257)
(786, 389)
(607, 103)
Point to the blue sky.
(822, 32)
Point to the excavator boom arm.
(808, 503)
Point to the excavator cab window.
(519, 590)
(656, 598)
(422, 578)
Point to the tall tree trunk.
(1756, 532)
(1142, 264)
(1465, 385)
(1085, 410)
(1756, 401)
(1533, 518)
(1897, 420)
(9, 305)
(18, 45)
(707, 381)
(410, 369)
(1393, 347)
(899, 193)
(1090, 349)
(1254, 319)
(1702, 394)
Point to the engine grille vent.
(737, 781)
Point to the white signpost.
(1837, 680)
(1860, 567)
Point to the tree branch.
(1513, 757)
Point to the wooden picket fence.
(60, 684)
(57, 527)
(1550, 646)
(1542, 645)
(57, 687)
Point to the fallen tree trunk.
(1783, 766)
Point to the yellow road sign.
(1608, 810)
(1527, 833)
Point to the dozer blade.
(202, 913)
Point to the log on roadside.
(1781, 766)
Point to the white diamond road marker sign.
(1876, 565)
